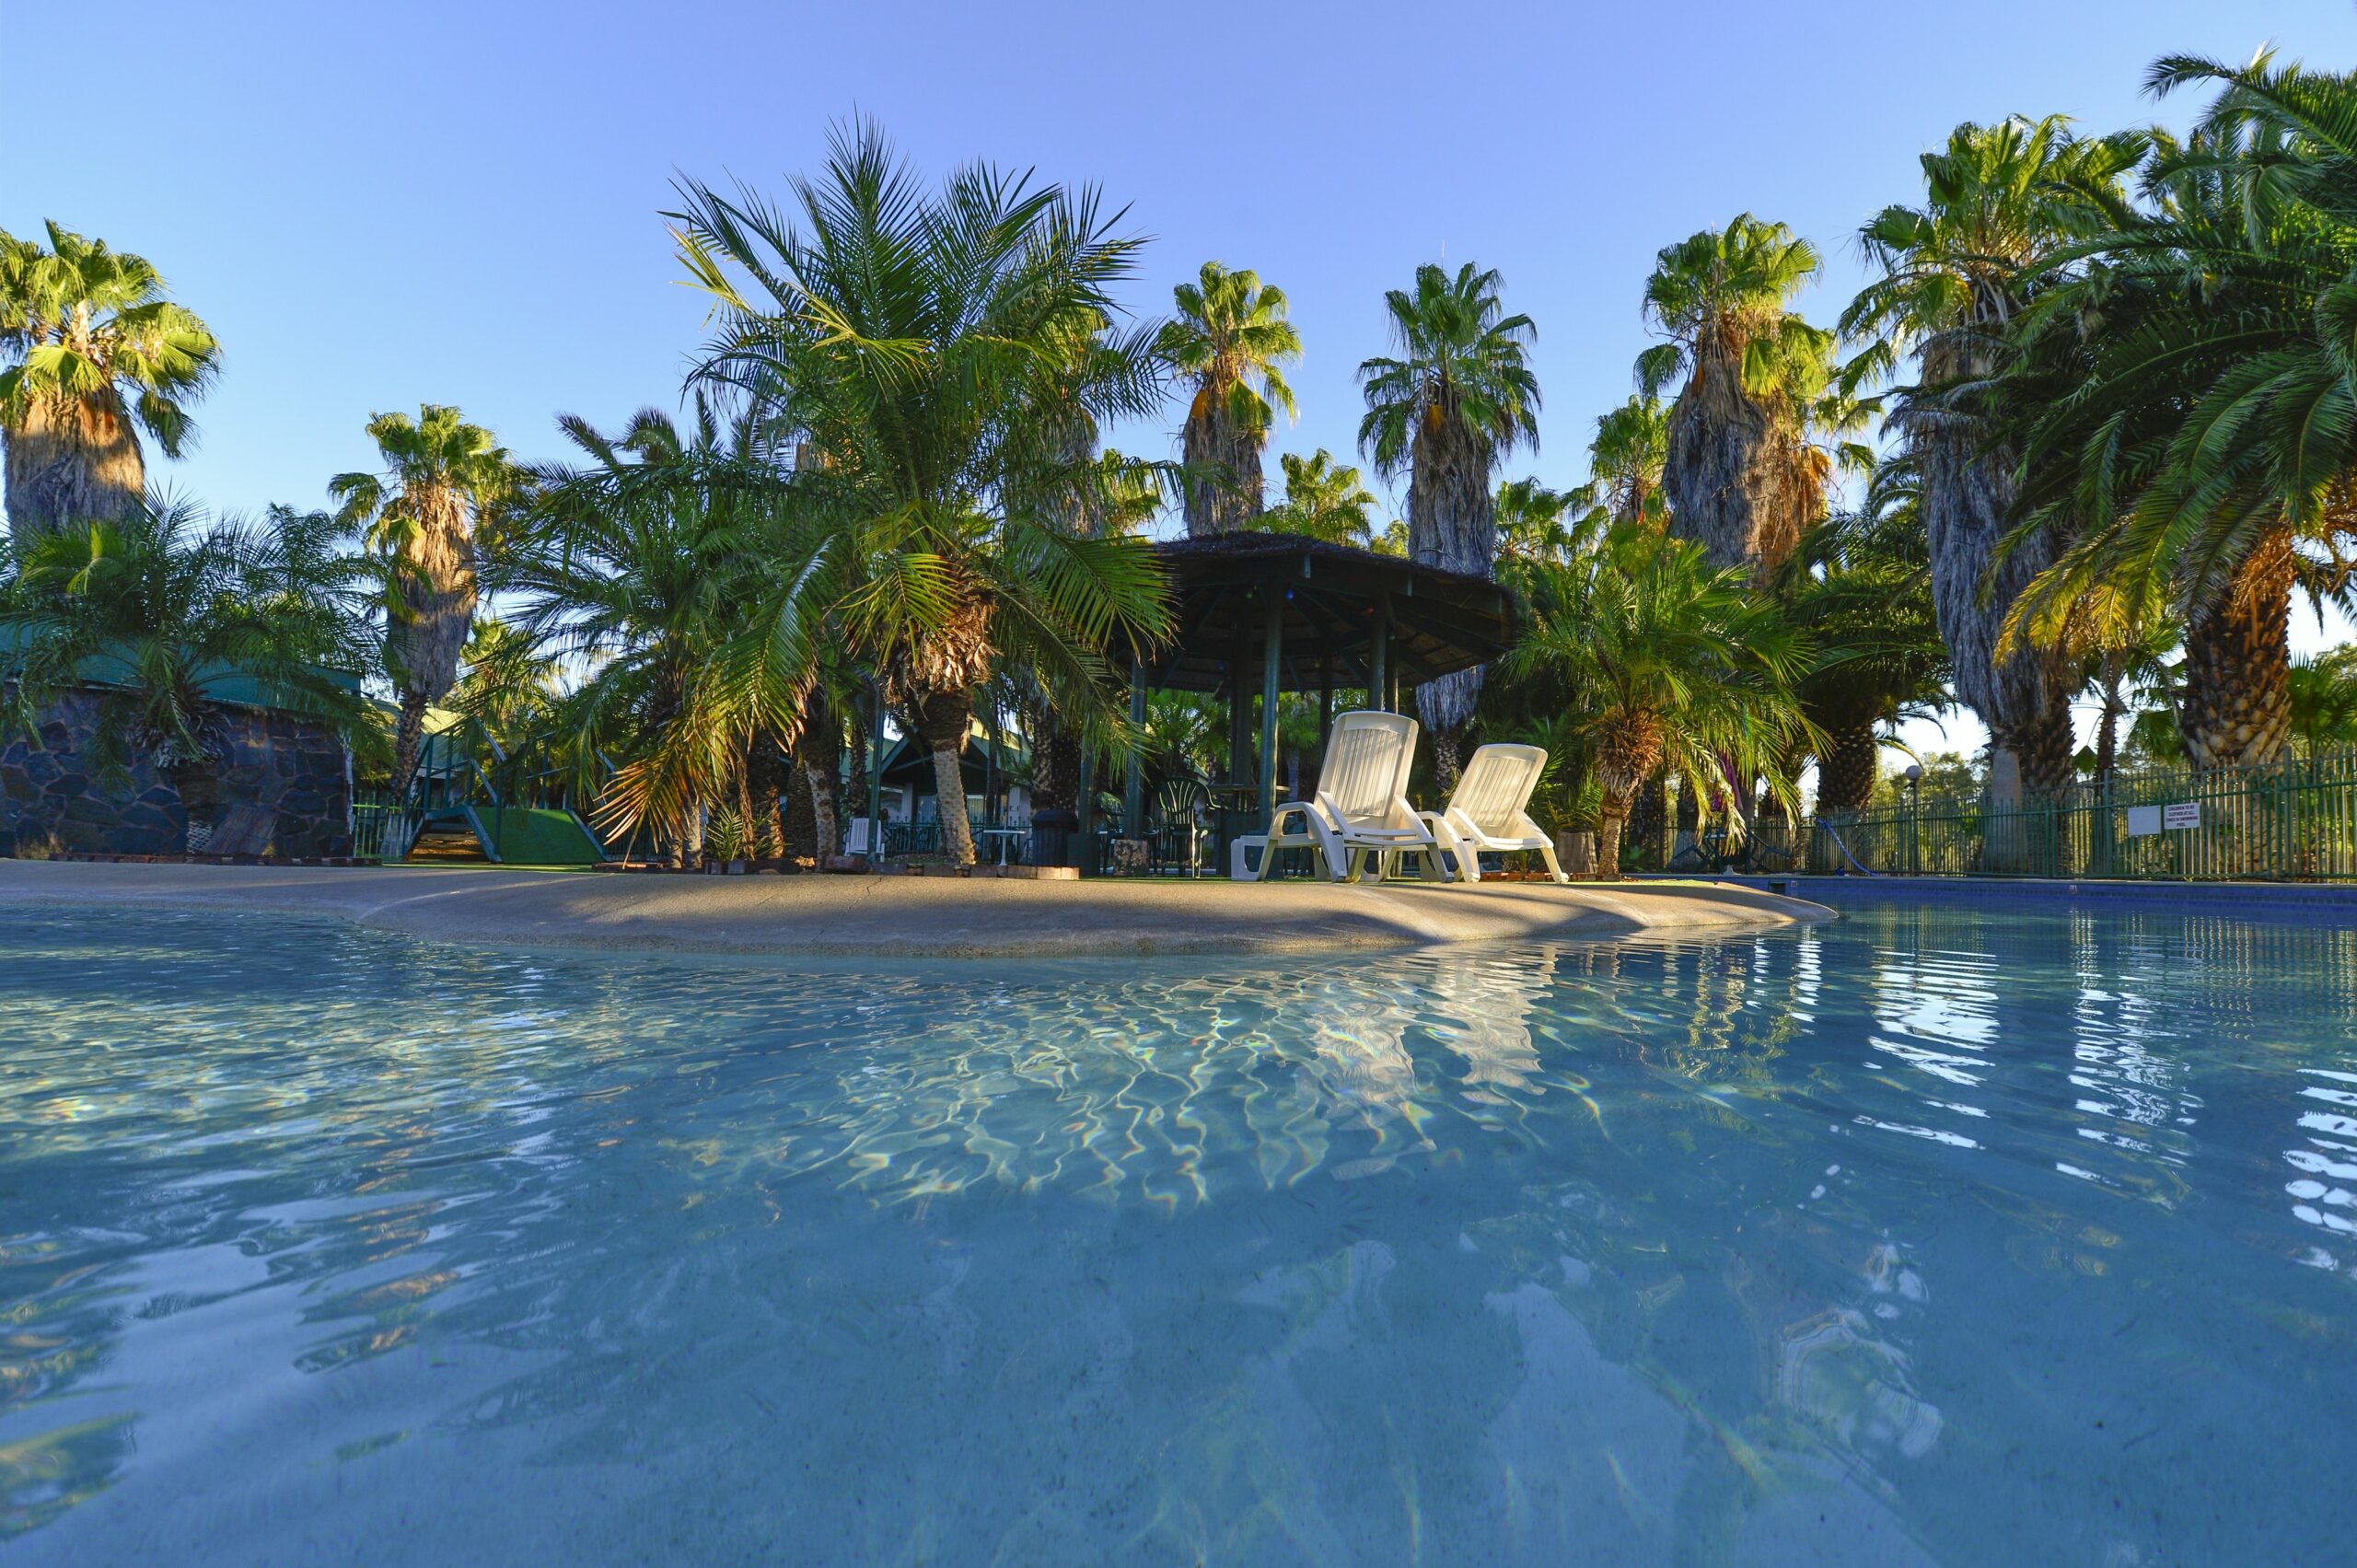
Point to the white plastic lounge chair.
(1488, 810)
(1360, 809)
(866, 837)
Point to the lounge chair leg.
(1547, 853)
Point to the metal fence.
(372, 811)
(2293, 820)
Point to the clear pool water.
(1925, 1237)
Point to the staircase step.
(440, 845)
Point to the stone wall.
(52, 802)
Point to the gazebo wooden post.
(1271, 654)
(1134, 787)
(1378, 659)
(1239, 713)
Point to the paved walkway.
(905, 916)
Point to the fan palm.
(1741, 472)
(911, 338)
(168, 620)
(1456, 400)
(1676, 664)
(1324, 499)
(91, 352)
(1229, 339)
(2001, 205)
(441, 476)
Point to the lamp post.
(1915, 777)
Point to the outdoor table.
(1007, 838)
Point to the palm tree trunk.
(1968, 497)
(68, 465)
(1055, 765)
(2047, 748)
(1451, 524)
(1649, 819)
(2115, 706)
(1608, 822)
(409, 736)
(1738, 478)
(943, 719)
(765, 787)
(1845, 774)
(1224, 484)
(801, 815)
(2235, 708)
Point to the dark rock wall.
(53, 802)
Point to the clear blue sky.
(376, 207)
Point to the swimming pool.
(1930, 1236)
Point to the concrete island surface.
(906, 917)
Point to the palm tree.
(640, 566)
(1860, 589)
(1742, 475)
(442, 475)
(1626, 461)
(2203, 438)
(1324, 499)
(1676, 664)
(2324, 699)
(177, 619)
(93, 353)
(913, 339)
(1533, 526)
(1457, 399)
(1228, 340)
(2003, 202)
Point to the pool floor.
(1930, 1236)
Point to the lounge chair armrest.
(1292, 807)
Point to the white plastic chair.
(866, 837)
(1488, 811)
(1360, 809)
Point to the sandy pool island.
(905, 917)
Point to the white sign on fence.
(2144, 821)
(2182, 814)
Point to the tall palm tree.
(912, 338)
(1674, 663)
(91, 352)
(184, 616)
(441, 476)
(1456, 399)
(1324, 499)
(1742, 474)
(1229, 340)
(2001, 206)
(2204, 437)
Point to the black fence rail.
(2293, 820)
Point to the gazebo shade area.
(1259, 614)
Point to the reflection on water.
(1805, 1248)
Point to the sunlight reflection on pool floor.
(317, 1245)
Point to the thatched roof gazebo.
(1273, 613)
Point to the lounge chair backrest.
(1496, 786)
(1366, 763)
